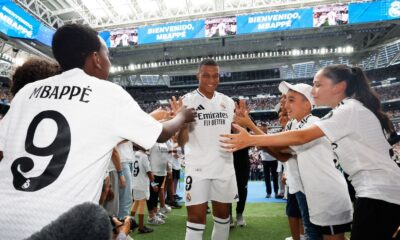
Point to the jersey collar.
(198, 91)
(342, 102)
(304, 120)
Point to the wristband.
(120, 174)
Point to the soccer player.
(356, 127)
(59, 133)
(209, 173)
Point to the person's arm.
(170, 127)
(117, 163)
(234, 142)
(243, 119)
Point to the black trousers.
(242, 169)
(270, 170)
(153, 200)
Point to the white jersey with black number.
(203, 155)
(362, 151)
(159, 159)
(293, 179)
(324, 185)
(141, 166)
(58, 144)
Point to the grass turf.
(266, 221)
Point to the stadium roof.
(103, 14)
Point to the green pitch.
(265, 221)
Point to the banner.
(220, 27)
(331, 15)
(15, 22)
(171, 32)
(374, 11)
(275, 21)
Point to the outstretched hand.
(235, 142)
(241, 116)
(175, 105)
(188, 113)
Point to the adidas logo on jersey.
(200, 107)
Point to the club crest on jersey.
(26, 184)
(188, 197)
(222, 105)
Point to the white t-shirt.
(203, 155)
(159, 159)
(324, 185)
(126, 153)
(74, 121)
(293, 179)
(362, 150)
(141, 166)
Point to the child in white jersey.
(142, 179)
(355, 126)
(329, 213)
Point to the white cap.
(302, 88)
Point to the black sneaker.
(145, 230)
(175, 205)
(177, 197)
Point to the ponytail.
(357, 87)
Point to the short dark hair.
(208, 62)
(32, 70)
(72, 44)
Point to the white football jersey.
(293, 179)
(362, 151)
(204, 156)
(126, 152)
(324, 185)
(141, 166)
(58, 143)
(159, 159)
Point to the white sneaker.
(161, 215)
(155, 221)
(240, 220)
(289, 238)
(129, 238)
(165, 210)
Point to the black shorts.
(375, 219)
(292, 207)
(176, 174)
(334, 229)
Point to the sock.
(221, 229)
(194, 231)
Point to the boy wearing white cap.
(329, 211)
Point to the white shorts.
(140, 194)
(200, 190)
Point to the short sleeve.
(133, 124)
(338, 123)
